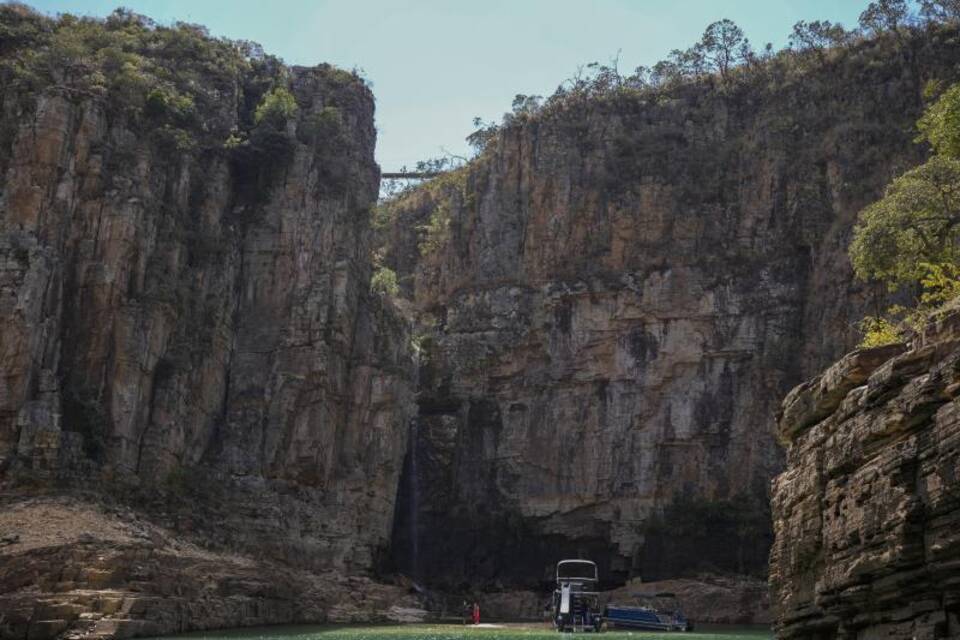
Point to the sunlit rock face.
(626, 289)
(192, 334)
(866, 512)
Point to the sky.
(434, 65)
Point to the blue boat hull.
(645, 619)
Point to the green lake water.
(460, 632)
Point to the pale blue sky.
(435, 64)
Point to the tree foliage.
(277, 106)
(722, 46)
(878, 331)
(436, 231)
(940, 124)
(940, 10)
(916, 222)
(911, 236)
(884, 15)
(817, 35)
(723, 54)
(383, 282)
(483, 134)
(183, 89)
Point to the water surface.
(460, 632)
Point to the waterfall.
(414, 503)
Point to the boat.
(576, 602)
(650, 611)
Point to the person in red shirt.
(476, 613)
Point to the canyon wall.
(188, 332)
(205, 413)
(866, 513)
(615, 296)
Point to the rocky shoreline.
(70, 568)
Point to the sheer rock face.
(624, 292)
(179, 336)
(866, 514)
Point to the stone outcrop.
(94, 570)
(188, 331)
(867, 515)
(614, 298)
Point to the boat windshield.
(577, 569)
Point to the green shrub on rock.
(384, 282)
(878, 331)
(276, 108)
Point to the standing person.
(476, 613)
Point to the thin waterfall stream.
(414, 502)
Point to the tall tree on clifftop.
(884, 15)
(817, 35)
(723, 45)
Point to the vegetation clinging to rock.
(162, 77)
(911, 237)
(384, 282)
(276, 108)
(188, 91)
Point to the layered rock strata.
(616, 295)
(79, 568)
(866, 515)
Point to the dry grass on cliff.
(36, 523)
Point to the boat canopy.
(576, 570)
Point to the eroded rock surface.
(867, 514)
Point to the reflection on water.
(459, 632)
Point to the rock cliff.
(205, 412)
(866, 513)
(615, 296)
(188, 330)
